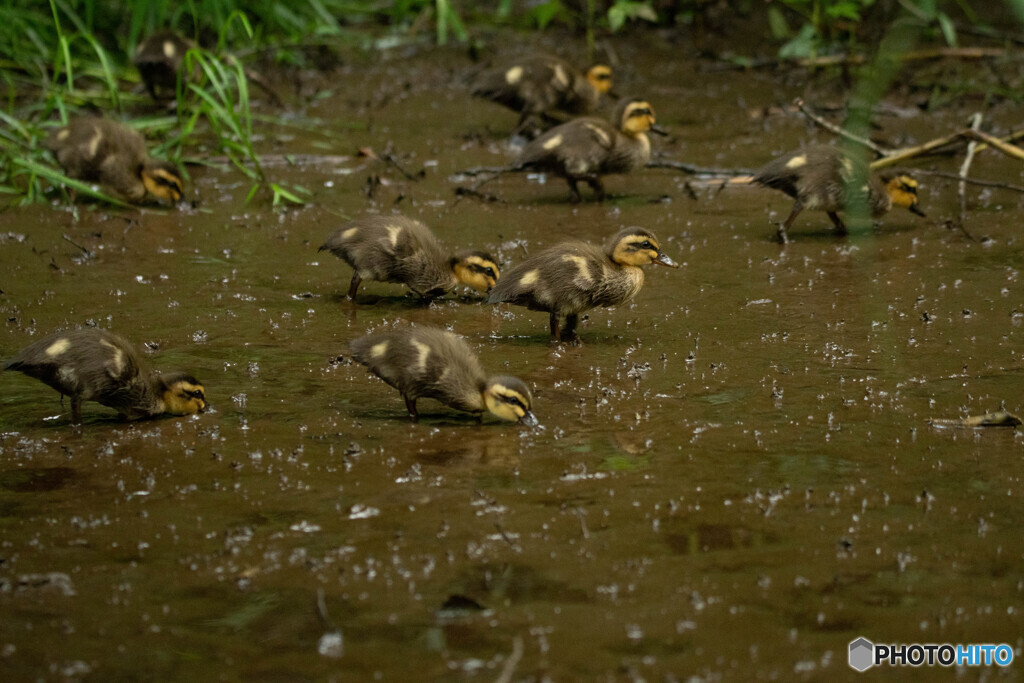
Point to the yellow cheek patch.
(513, 75)
(378, 350)
(552, 142)
(58, 347)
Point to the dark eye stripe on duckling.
(161, 177)
(639, 111)
(643, 245)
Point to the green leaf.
(777, 23)
(625, 10)
(948, 29)
(545, 13)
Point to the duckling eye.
(195, 394)
(489, 272)
(646, 245)
(604, 77)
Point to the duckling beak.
(915, 209)
(664, 260)
(528, 419)
(658, 130)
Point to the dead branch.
(799, 103)
(970, 181)
(697, 170)
(1004, 147)
(964, 169)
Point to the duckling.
(818, 178)
(403, 250)
(427, 362)
(88, 364)
(587, 148)
(103, 151)
(570, 278)
(537, 86)
(158, 58)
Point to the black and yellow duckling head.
(635, 117)
(182, 394)
(476, 269)
(158, 58)
(902, 190)
(600, 78)
(162, 180)
(508, 398)
(637, 247)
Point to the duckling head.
(635, 117)
(600, 77)
(902, 190)
(637, 247)
(475, 269)
(182, 394)
(509, 399)
(162, 180)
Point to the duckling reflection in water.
(95, 365)
(536, 87)
(158, 58)
(820, 178)
(103, 151)
(573, 277)
(587, 148)
(426, 362)
(405, 251)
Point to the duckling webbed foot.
(783, 230)
(838, 223)
(567, 332)
(354, 286)
(410, 405)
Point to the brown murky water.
(734, 478)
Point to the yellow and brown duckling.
(95, 365)
(426, 362)
(570, 278)
(538, 86)
(820, 178)
(158, 58)
(405, 251)
(107, 152)
(588, 148)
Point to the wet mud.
(734, 475)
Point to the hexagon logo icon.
(862, 654)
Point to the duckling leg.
(784, 226)
(76, 410)
(555, 336)
(598, 187)
(410, 405)
(353, 286)
(838, 222)
(574, 191)
(569, 329)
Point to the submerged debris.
(999, 418)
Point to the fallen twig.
(697, 170)
(839, 131)
(970, 181)
(961, 189)
(512, 662)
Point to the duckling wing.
(815, 176)
(94, 364)
(392, 249)
(580, 147)
(567, 278)
(424, 362)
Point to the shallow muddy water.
(735, 475)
